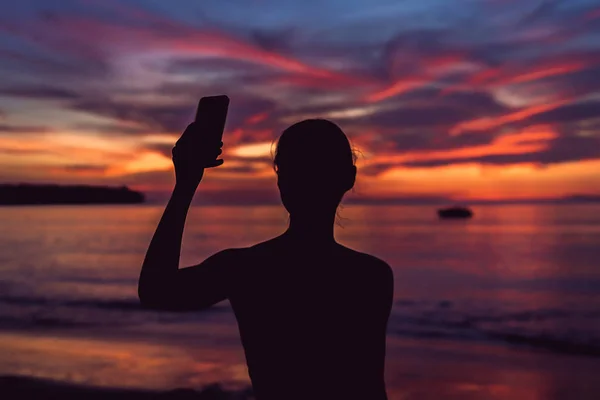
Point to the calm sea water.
(506, 305)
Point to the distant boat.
(455, 212)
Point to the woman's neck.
(311, 229)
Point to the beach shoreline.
(88, 368)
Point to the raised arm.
(162, 285)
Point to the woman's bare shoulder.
(240, 253)
(368, 263)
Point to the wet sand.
(416, 369)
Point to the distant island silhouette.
(46, 194)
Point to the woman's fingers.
(194, 149)
(178, 152)
(215, 163)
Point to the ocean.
(503, 306)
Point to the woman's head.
(315, 166)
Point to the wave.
(560, 330)
(39, 314)
(543, 342)
(41, 322)
(571, 331)
(125, 304)
(131, 304)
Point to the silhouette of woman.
(312, 314)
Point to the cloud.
(487, 123)
(579, 84)
(561, 149)
(276, 40)
(593, 15)
(85, 167)
(567, 113)
(90, 170)
(226, 69)
(493, 84)
(418, 117)
(531, 140)
(239, 159)
(374, 170)
(178, 38)
(163, 148)
(23, 129)
(170, 117)
(115, 128)
(432, 141)
(39, 92)
(398, 87)
(544, 9)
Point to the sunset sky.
(466, 99)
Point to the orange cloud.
(78, 170)
(253, 150)
(62, 155)
(486, 123)
(141, 162)
(257, 118)
(516, 74)
(530, 140)
(475, 181)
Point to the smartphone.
(212, 113)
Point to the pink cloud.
(486, 123)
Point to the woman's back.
(312, 320)
(312, 314)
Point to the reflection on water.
(98, 362)
(506, 305)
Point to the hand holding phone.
(211, 115)
(200, 144)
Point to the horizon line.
(161, 196)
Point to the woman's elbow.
(147, 302)
(151, 290)
(149, 297)
(160, 300)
